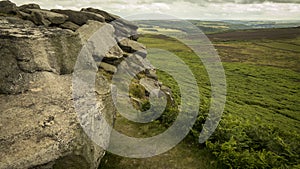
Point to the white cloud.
(193, 9)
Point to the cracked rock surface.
(39, 126)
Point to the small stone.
(131, 46)
(36, 90)
(151, 74)
(114, 53)
(47, 124)
(149, 84)
(41, 124)
(50, 118)
(107, 67)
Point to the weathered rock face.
(28, 49)
(39, 126)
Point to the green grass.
(186, 154)
(266, 91)
(283, 46)
(273, 91)
(263, 85)
(261, 123)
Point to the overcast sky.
(188, 9)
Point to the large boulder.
(80, 18)
(39, 125)
(26, 8)
(38, 19)
(30, 6)
(44, 17)
(108, 17)
(108, 42)
(124, 31)
(7, 7)
(123, 27)
(111, 17)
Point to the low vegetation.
(260, 124)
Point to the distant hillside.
(282, 33)
(210, 27)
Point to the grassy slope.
(263, 83)
(187, 154)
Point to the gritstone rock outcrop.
(39, 127)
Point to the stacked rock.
(39, 127)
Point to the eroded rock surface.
(39, 126)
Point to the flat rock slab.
(39, 15)
(69, 25)
(80, 18)
(131, 46)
